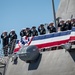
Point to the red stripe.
(17, 49)
(51, 44)
(30, 40)
(72, 38)
(26, 38)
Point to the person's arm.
(54, 29)
(2, 35)
(21, 33)
(15, 36)
(9, 35)
(44, 31)
(36, 33)
(39, 28)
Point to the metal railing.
(1, 53)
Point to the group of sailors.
(66, 25)
(8, 40)
(40, 31)
(62, 26)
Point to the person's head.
(68, 20)
(73, 20)
(23, 29)
(62, 21)
(13, 31)
(34, 28)
(27, 29)
(42, 26)
(4, 33)
(51, 24)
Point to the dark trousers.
(12, 46)
(5, 50)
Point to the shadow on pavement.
(2, 69)
(16, 61)
(72, 53)
(0, 73)
(34, 65)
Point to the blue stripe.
(51, 35)
(17, 41)
(73, 29)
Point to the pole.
(54, 14)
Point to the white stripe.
(17, 46)
(50, 40)
(72, 33)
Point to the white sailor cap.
(61, 20)
(68, 19)
(51, 23)
(73, 18)
(12, 30)
(4, 31)
(23, 28)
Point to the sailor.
(73, 22)
(42, 29)
(5, 42)
(51, 28)
(68, 24)
(28, 32)
(23, 32)
(13, 37)
(62, 25)
(34, 31)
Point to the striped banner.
(49, 40)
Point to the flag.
(26, 40)
(17, 46)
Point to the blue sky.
(18, 14)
